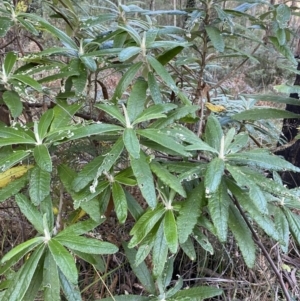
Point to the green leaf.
(134, 207)
(131, 143)
(142, 172)
(44, 123)
(12, 188)
(214, 174)
(163, 73)
(164, 140)
(170, 230)
(215, 37)
(261, 159)
(31, 212)
(189, 212)
(128, 52)
(167, 178)
(42, 157)
(28, 81)
(281, 37)
(27, 245)
(12, 159)
(5, 24)
(294, 224)
(125, 81)
(283, 15)
(141, 271)
(275, 98)
(136, 100)
(213, 132)
(169, 54)
(126, 298)
(188, 248)
(88, 173)
(240, 141)
(282, 226)
(120, 202)
(145, 224)
(285, 50)
(112, 110)
(86, 245)
(39, 187)
(9, 62)
(160, 252)
(70, 290)
(79, 228)
(18, 287)
(203, 241)
(154, 112)
(14, 135)
(154, 88)
(51, 283)
(132, 32)
(64, 260)
(264, 113)
(242, 235)
(255, 193)
(218, 204)
(197, 293)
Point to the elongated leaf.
(264, 113)
(31, 212)
(170, 230)
(86, 245)
(142, 172)
(145, 224)
(9, 62)
(126, 298)
(188, 248)
(154, 112)
(215, 37)
(141, 271)
(154, 89)
(13, 102)
(261, 159)
(71, 291)
(42, 157)
(50, 279)
(134, 207)
(87, 174)
(131, 143)
(120, 202)
(239, 142)
(283, 15)
(64, 260)
(12, 159)
(218, 204)
(166, 177)
(169, 54)
(44, 123)
(198, 293)
(189, 212)
(242, 235)
(213, 175)
(113, 111)
(160, 252)
(294, 224)
(174, 115)
(164, 140)
(255, 192)
(276, 98)
(14, 136)
(126, 81)
(12, 188)
(28, 81)
(282, 227)
(5, 24)
(20, 284)
(79, 228)
(213, 132)
(163, 73)
(132, 32)
(128, 52)
(137, 99)
(39, 187)
(203, 241)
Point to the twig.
(266, 254)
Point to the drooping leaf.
(39, 187)
(64, 260)
(170, 231)
(188, 248)
(242, 235)
(42, 157)
(202, 240)
(31, 212)
(215, 37)
(141, 271)
(120, 202)
(13, 102)
(70, 290)
(142, 172)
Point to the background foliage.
(126, 145)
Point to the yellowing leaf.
(12, 174)
(21, 7)
(215, 108)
